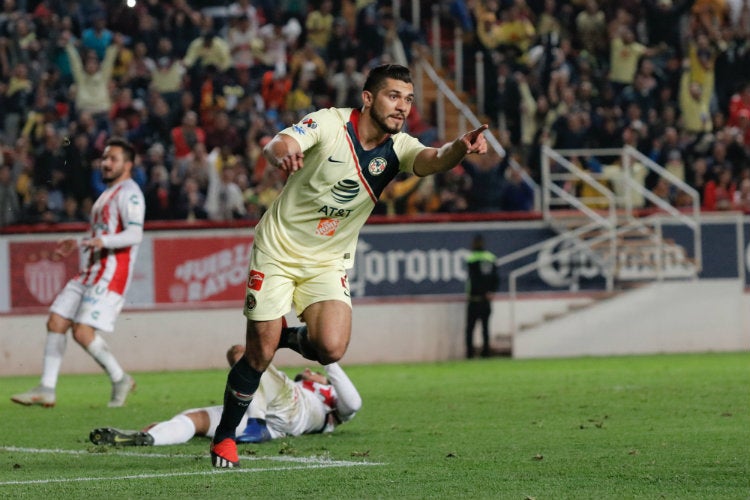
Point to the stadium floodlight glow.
(130, 3)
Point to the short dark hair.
(478, 242)
(127, 148)
(378, 75)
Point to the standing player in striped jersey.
(339, 160)
(92, 300)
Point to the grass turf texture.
(673, 426)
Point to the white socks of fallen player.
(54, 349)
(99, 350)
(179, 429)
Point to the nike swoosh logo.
(330, 158)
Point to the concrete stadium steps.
(656, 317)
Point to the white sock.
(54, 348)
(180, 429)
(99, 350)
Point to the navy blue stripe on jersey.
(377, 166)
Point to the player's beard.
(380, 121)
(114, 176)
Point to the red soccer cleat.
(224, 454)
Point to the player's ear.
(367, 98)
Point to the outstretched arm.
(435, 160)
(349, 401)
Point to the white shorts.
(272, 286)
(90, 305)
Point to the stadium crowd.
(199, 88)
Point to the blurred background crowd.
(200, 87)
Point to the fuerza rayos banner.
(209, 267)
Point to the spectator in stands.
(168, 73)
(140, 71)
(71, 211)
(516, 195)
(255, 16)
(742, 195)
(454, 191)
(97, 37)
(307, 67)
(10, 208)
(740, 101)
(16, 101)
(158, 195)
(486, 174)
(224, 201)
(625, 52)
(591, 27)
(342, 45)
(663, 22)
(191, 202)
(223, 133)
(208, 49)
(93, 80)
(244, 43)
(719, 193)
(695, 104)
(39, 211)
(278, 38)
(275, 86)
(186, 136)
(319, 26)
(346, 84)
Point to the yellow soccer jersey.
(317, 217)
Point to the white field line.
(304, 463)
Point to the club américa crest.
(377, 166)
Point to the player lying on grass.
(309, 404)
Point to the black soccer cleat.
(116, 437)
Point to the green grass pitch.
(668, 426)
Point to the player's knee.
(330, 354)
(57, 324)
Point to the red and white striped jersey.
(117, 218)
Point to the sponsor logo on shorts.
(327, 227)
(377, 166)
(255, 280)
(310, 123)
(345, 284)
(250, 302)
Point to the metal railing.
(423, 69)
(606, 224)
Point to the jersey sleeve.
(407, 148)
(311, 129)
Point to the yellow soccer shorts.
(273, 286)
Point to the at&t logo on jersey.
(377, 166)
(345, 190)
